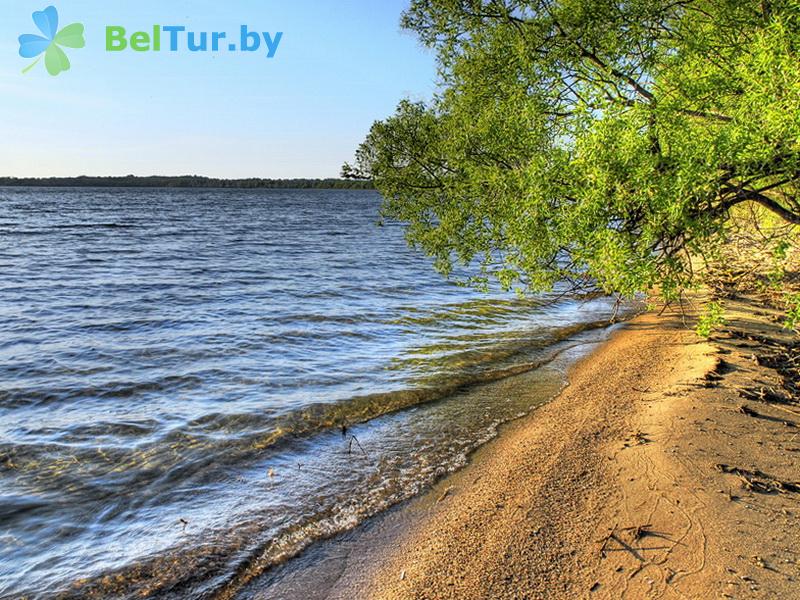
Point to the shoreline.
(632, 483)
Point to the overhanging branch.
(765, 201)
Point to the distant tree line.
(186, 181)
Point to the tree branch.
(765, 201)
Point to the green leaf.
(71, 36)
(55, 60)
(592, 141)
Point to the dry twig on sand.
(758, 481)
(612, 535)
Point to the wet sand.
(643, 479)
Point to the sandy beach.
(657, 473)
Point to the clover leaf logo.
(32, 46)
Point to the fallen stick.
(445, 494)
(350, 446)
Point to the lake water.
(196, 384)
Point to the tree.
(602, 142)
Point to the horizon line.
(186, 182)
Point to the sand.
(625, 486)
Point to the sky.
(340, 65)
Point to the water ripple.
(177, 369)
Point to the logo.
(172, 38)
(51, 41)
(176, 37)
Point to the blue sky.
(341, 65)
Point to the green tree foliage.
(602, 142)
(712, 319)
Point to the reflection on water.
(177, 367)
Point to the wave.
(220, 563)
(215, 442)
